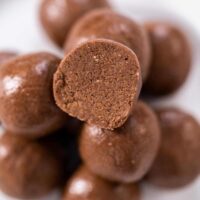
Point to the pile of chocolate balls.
(79, 124)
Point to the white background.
(20, 30)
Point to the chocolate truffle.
(86, 186)
(27, 105)
(171, 58)
(58, 16)
(27, 169)
(6, 56)
(177, 163)
(105, 23)
(125, 154)
(98, 82)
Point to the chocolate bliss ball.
(171, 58)
(27, 169)
(177, 163)
(125, 154)
(98, 82)
(107, 24)
(57, 16)
(27, 105)
(84, 185)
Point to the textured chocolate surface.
(171, 58)
(125, 154)
(6, 56)
(27, 169)
(57, 16)
(105, 23)
(27, 105)
(177, 163)
(86, 186)
(98, 82)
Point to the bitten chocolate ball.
(6, 56)
(125, 154)
(177, 163)
(86, 186)
(105, 23)
(27, 169)
(171, 58)
(58, 16)
(27, 105)
(98, 82)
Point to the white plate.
(20, 30)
